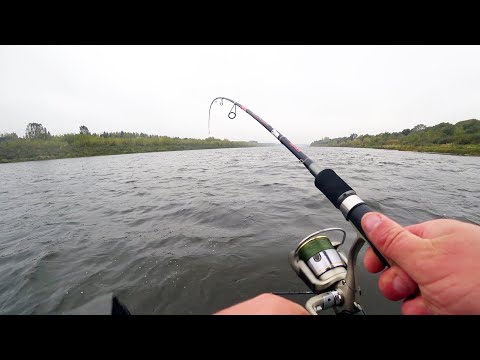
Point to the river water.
(192, 232)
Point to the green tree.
(36, 131)
(84, 130)
(419, 127)
(8, 136)
(471, 126)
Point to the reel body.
(327, 271)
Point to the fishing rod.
(315, 249)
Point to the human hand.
(265, 304)
(435, 264)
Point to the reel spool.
(317, 261)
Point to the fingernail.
(399, 286)
(371, 221)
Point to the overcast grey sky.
(305, 92)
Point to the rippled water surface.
(194, 231)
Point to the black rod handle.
(343, 197)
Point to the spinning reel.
(328, 272)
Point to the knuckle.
(393, 237)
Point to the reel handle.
(344, 198)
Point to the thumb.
(394, 241)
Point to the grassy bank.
(463, 138)
(455, 149)
(79, 145)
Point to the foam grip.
(332, 185)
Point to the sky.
(306, 92)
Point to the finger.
(395, 284)
(415, 306)
(372, 262)
(394, 241)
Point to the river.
(191, 232)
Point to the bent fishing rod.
(341, 195)
(316, 259)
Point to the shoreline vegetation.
(38, 144)
(462, 138)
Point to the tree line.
(39, 144)
(38, 131)
(462, 137)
